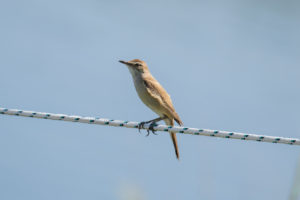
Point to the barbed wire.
(130, 124)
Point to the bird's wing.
(160, 94)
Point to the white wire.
(129, 124)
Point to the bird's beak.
(124, 62)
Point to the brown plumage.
(153, 95)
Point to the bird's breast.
(142, 90)
(145, 96)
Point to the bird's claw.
(151, 128)
(141, 125)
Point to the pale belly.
(147, 99)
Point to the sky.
(230, 65)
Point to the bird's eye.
(137, 64)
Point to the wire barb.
(128, 124)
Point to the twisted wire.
(130, 124)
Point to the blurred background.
(228, 65)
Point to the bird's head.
(136, 65)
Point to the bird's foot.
(151, 128)
(141, 125)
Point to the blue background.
(228, 65)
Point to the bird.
(154, 96)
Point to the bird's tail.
(173, 136)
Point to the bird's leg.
(141, 125)
(153, 124)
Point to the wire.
(130, 124)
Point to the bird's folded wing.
(161, 95)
